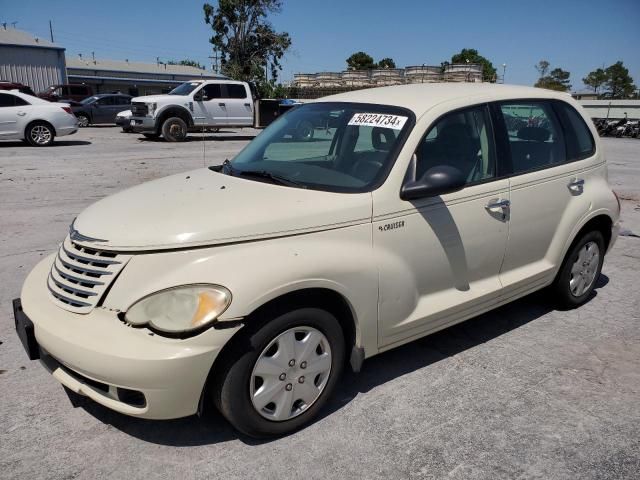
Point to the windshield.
(88, 100)
(185, 89)
(340, 147)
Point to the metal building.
(30, 60)
(133, 78)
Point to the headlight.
(180, 309)
(151, 107)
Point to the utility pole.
(51, 31)
(214, 58)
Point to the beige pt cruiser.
(250, 286)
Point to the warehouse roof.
(15, 37)
(138, 67)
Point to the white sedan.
(25, 117)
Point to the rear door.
(238, 104)
(546, 189)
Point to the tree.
(387, 63)
(360, 61)
(542, 67)
(247, 42)
(557, 79)
(595, 79)
(187, 62)
(471, 55)
(619, 83)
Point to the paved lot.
(523, 392)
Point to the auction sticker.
(379, 120)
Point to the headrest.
(535, 134)
(382, 138)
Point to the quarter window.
(461, 139)
(535, 136)
(6, 100)
(579, 139)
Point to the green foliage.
(387, 63)
(360, 61)
(619, 83)
(595, 79)
(272, 90)
(557, 79)
(471, 55)
(187, 62)
(247, 42)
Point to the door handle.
(22, 114)
(247, 104)
(495, 204)
(576, 185)
(221, 104)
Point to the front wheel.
(39, 134)
(284, 375)
(580, 270)
(174, 129)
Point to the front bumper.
(98, 349)
(143, 124)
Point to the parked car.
(75, 92)
(102, 108)
(249, 286)
(123, 120)
(29, 118)
(4, 85)
(202, 105)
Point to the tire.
(83, 120)
(40, 134)
(304, 131)
(577, 278)
(150, 136)
(174, 129)
(238, 382)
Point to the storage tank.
(387, 76)
(423, 74)
(304, 80)
(328, 79)
(355, 78)
(463, 72)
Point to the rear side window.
(462, 139)
(579, 139)
(535, 135)
(235, 90)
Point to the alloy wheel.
(583, 271)
(41, 134)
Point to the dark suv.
(75, 92)
(101, 108)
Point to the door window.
(462, 139)
(7, 100)
(235, 90)
(105, 101)
(212, 91)
(535, 136)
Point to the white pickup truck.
(201, 105)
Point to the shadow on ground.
(217, 137)
(425, 352)
(56, 143)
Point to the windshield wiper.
(274, 177)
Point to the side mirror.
(197, 97)
(436, 181)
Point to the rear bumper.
(99, 349)
(63, 131)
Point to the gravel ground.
(525, 391)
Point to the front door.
(212, 106)
(440, 257)
(11, 114)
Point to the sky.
(578, 36)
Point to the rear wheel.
(174, 129)
(40, 134)
(83, 120)
(580, 270)
(283, 376)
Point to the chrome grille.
(80, 275)
(138, 109)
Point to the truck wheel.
(83, 120)
(283, 374)
(174, 129)
(580, 270)
(304, 131)
(39, 134)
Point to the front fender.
(257, 272)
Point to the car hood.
(161, 99)
(203, 207)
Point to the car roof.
(421, 97)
